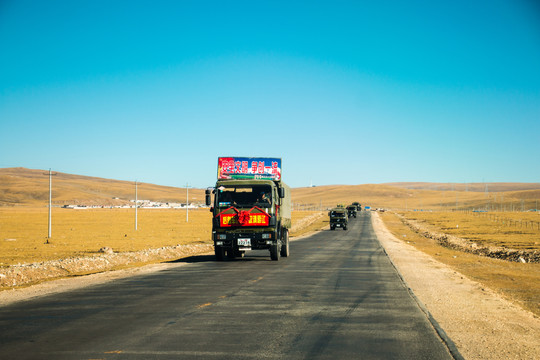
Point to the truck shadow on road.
(195, 259)
(212, 258)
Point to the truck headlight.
(267, 236)
(222, 236)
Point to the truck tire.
(239, 254)
(332, 227)
(345, 227)
(275, 251)
(219, 252)
(284, 243)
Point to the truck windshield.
(244, 196)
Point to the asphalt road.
(336, 297)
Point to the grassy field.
(517, 282)
(23, 231)
(513, 230)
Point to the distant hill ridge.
(21, 186)
(29, 187)
(476, 187)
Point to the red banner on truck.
(249, 168)
(227, 220)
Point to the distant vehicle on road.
(338, 218)
(351, 210)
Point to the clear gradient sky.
(345, 92)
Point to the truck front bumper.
(244, 241)
(338, 224)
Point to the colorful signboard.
(249, 168)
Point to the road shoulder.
(480, 323)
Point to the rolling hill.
(27, 187)
(21, 186)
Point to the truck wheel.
(275, 252)
(345, 227)
(219, 252)
(239, 254)
(332, 228)
(285, 243)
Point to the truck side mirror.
(282, 193)
(208, 197)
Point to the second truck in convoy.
(338, 218)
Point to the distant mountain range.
(27, 187)
(477, 187)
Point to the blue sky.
(345, 92)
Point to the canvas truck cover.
(286, 207)
(239, 168)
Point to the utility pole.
(50, 204)
(187, 202)
(136, 205)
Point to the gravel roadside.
(480, 323)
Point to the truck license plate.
(244, 242)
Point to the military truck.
(338, 218)
(351, 210)
(358, 206)
(251, 208)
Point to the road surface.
(336, 297)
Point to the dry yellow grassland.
(518, 282)
(513, 230)
(23, 231)
(307, 221)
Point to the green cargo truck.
(338, 218)
(351, 210)
(251, 208)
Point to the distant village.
(142, 204)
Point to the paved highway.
(337, 297)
